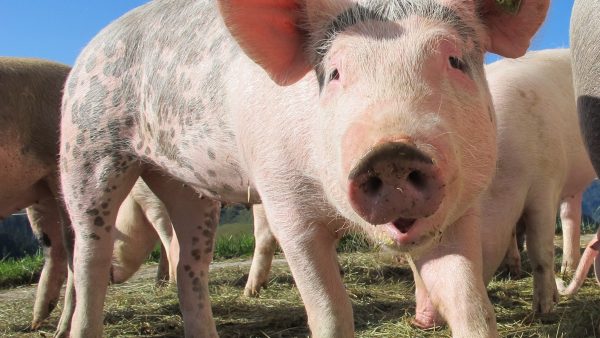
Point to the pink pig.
(385, 126)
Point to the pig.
(541, 161)
(30, 96)
(30, 100)
(371, 115)
(585, 52)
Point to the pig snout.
(395, 182)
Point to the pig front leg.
(309, 248)
(194, 222)
(46, 224)
(426, 314)
(264, 249)
(452, 275)
(570, 218)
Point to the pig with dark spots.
(541, 162)
(381, 125)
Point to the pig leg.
(590, 255)
(194, 221)
(134, 240)
(162, 271)
(263, 253)
(156, 213)
(64, 324)
(540, 218)
(93, 190)
(46, 224)
(513, 257)
(426, 314)
(309, 247)
(570, 217)
(452, 275)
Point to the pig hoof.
(252, 291)
(425, 322)
(35, 325)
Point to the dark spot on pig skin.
(211, 154)
(211, 173)
(46, 240)
(99, 221)
(90, 64)
(207, 233)
(104, 205)
(191, 274)
(92, 212)
(187, 268)
(196, 281)
(195, 240)
(94, 236)
(108, 228)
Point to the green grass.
(241, 245)
(14, 272)
(234, 229)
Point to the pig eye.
(457, 63)
(335, 75)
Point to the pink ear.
(267, 30)
(510, 34)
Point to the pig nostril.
(372, 185)
(418, 179)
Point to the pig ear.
(268, 31)
(512, 23)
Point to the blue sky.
(59, 29)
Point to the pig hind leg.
(194, 221)
(46, 224)
(540, 218)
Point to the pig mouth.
(404, 224)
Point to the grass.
(14, 272)
(382, 294)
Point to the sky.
(59, 29)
